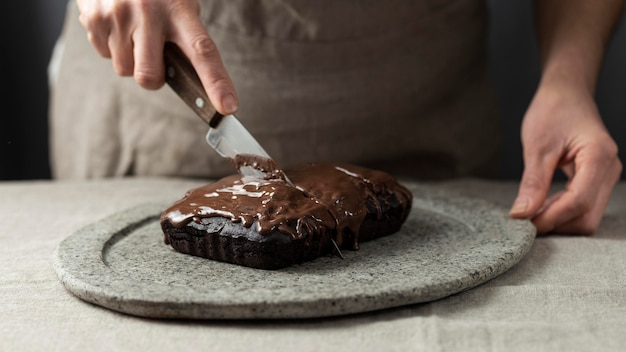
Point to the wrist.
(565, 86)
(570, 71)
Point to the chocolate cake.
(284, 220)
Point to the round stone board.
(448, 244)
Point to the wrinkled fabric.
(567, 294)
(397, 85)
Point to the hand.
(562, 128)
(133, 32)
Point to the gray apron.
(396, 85)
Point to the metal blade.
(227, 135)
(231, 138)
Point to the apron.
(397, 85)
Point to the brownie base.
(221, 239)
(230, 242)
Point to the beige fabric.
(567, 294)
(398, 85)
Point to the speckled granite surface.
(448, 244)
(567, 294)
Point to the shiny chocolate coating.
(322, 198)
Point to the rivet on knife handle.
(182, 77)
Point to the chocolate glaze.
(266, 165)
(324, 198)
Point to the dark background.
(30, 28)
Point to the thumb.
(533, 188)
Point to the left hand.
(562, 128)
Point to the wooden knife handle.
(184, 80)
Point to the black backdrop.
(30, 27)
(28, 31)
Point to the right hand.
(563, 129)
(133, 33)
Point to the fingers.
(567, 208)
(562, 128)
(98, 27)
(120, 42)
(534, 186)
(579, 209)
(205, 57)
(148, 40)
(109, 26)
(133, 32)
(100, 42)
(130, 33)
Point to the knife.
(226, 135)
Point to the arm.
(562, 127)
(133, 32)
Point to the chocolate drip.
(326, 198)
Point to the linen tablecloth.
(567, 294)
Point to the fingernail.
(229, 104)
(519, 206)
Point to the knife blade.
(226, 134)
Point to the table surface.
(568, 293)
